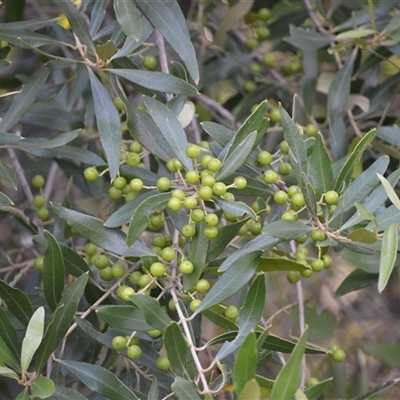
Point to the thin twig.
(163, 56)
(51, 176)
(217, 107)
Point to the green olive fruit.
(118, 270)
(231, 312)
(42, 213)
(264, 157)
(186, 267)
(168, 254)
(149, 62)
(162, 363)
(38, 263)
(293, 276)
(163, 184)
(157, 269)
(270, 176)
(189, 230)
(194, 304)
(203, 286)
(192, 151)
(38, 181)
(90, 174)
(190, 202)
(134, 351)
(124, 291)
(39, 201)
(132, 159)
(197, 215)
(251, 43)
(136, 184)
(119, 342)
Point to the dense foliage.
(183, 190)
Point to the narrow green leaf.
(99, 379)
(33, 338)
(232, 280)
(124, 318)
(9, 334)
(387, 217)
(154, 392)
(260, 243)
(154, 80)
(23, 101)
(347, 171)
(363, 235)
(339, 90)
(5, 200)
(297, 147)
(154, 315)
(144, 129)
(8, 175)
(184, 390)
(9, 373)
(78, 24)
(315, 392)
(233, 15)
(140, 217)
(168, 24)
(278, 264)
(64, 393)
(32, 24)
(253, 123)
(53, 271)
(7, 357)
(236, 158)
(61, 320)
(123, 215)
(9, 138)
(221, 242)
(306, 40)
(97, 16)
(286, 230)
(23, 395)
(176, 348)
(170, 128)
(374, 200)
(17, 302)
(355, 33)
(216, 315)
(74, 153)
(390, 191)
(388, 255)
(42, 387)
(364, 213)
(309, 193)
(25, 38)
(249, 318)
(244, 368)
(92, 228)
(377, 389)
(288, 379)
(108, 123)
(356, 280)
(361, 187)
(129, 18)
(366, 262)
(321, 175)
(254, 188)
(58, 141)
(234, 207)
(218, 132)
(197, 255)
